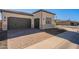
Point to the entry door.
(36, 23)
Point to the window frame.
(48, 20)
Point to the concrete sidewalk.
(24, 38)
(70, 36)
(63, 41)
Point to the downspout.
(41, 19)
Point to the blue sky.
(63, 14)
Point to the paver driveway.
(25, 38)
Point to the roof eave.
(17, 12)
(43, 11)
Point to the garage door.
(18, 23)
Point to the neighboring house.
(19, 20)
(68, 23)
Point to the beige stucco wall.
(38, 15)
(46, 26)
(42, 16)
(7, 14)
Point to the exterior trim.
(23, 13)
(43, 11)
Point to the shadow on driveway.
(17, 33)
(70, 36)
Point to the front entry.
(18, 23)
(36, 23)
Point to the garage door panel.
(18, 23)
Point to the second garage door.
(18, 23)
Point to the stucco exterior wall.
(42, 16)
(46, 26)
(38, 15)
(7, 14)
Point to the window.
(48, 20)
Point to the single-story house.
(66, 22)
(21, 20)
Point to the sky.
(63, 14)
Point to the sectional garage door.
(18, 23)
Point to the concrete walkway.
(42, 40)
(25, 38)
(70, 36)
(64, 40)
